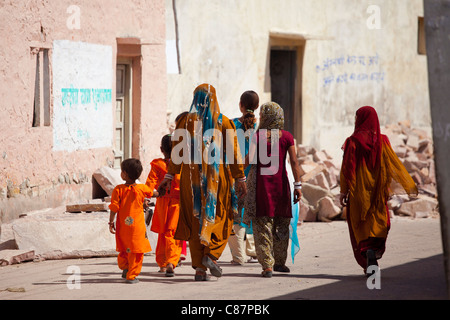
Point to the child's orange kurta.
(131, 239)
(165, 217)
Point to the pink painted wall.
(32, 174)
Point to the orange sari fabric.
(166, 215)
(189, 225)
(370, 173)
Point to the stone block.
(313, 193)
(320, 180)
(401, 151)
(421, 204)
(303, 150)
(306, 213)
(333, 176)
(327, 210)
(320, 156)
(108, 178)
(307, 166)
(312, 173)
(8, 257)
(413, 142)
(58, 231)
(86, 207)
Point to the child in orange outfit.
(165, 216)
(127, 202)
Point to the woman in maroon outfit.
(268, 202)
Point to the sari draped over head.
(272, 117)
(370, 173)
(204, 121)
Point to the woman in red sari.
(370, 173)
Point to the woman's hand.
(241, 188)
(164, 186)
(343, 199)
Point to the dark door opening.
(282, 82)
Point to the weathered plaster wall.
(82, 96)
(30, 163)
(229, 46)
(387, 71)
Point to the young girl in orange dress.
(165, 217)
(127, 202)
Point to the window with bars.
(41, 102)
(421, 47)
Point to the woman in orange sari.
(370, 173)
(206, 212)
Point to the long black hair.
(166, 144)
(250, 101)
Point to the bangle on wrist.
(168, 176)
(243, 179)
(298, 187)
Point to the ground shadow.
(423, 279)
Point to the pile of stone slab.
(414, 147)
(320, 177)
(53, 233)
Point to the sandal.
(281, 268)
(214, 268)
(235, 263)
(371, 258)
(201, 275)
(135, 280)
(267, 273)
(169, 270)
(371, 261)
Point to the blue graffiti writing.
(73, 96)
(349, 60)
(353, 77)
(69, 96)
(347, 69)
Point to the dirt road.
(412, 268)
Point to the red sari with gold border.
(370, 173)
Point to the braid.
(250, 101)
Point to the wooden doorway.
(283, 72)
(284, 76)
(123, 140)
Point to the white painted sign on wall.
(82, 93)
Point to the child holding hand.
(167, 211)
(129, 228)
